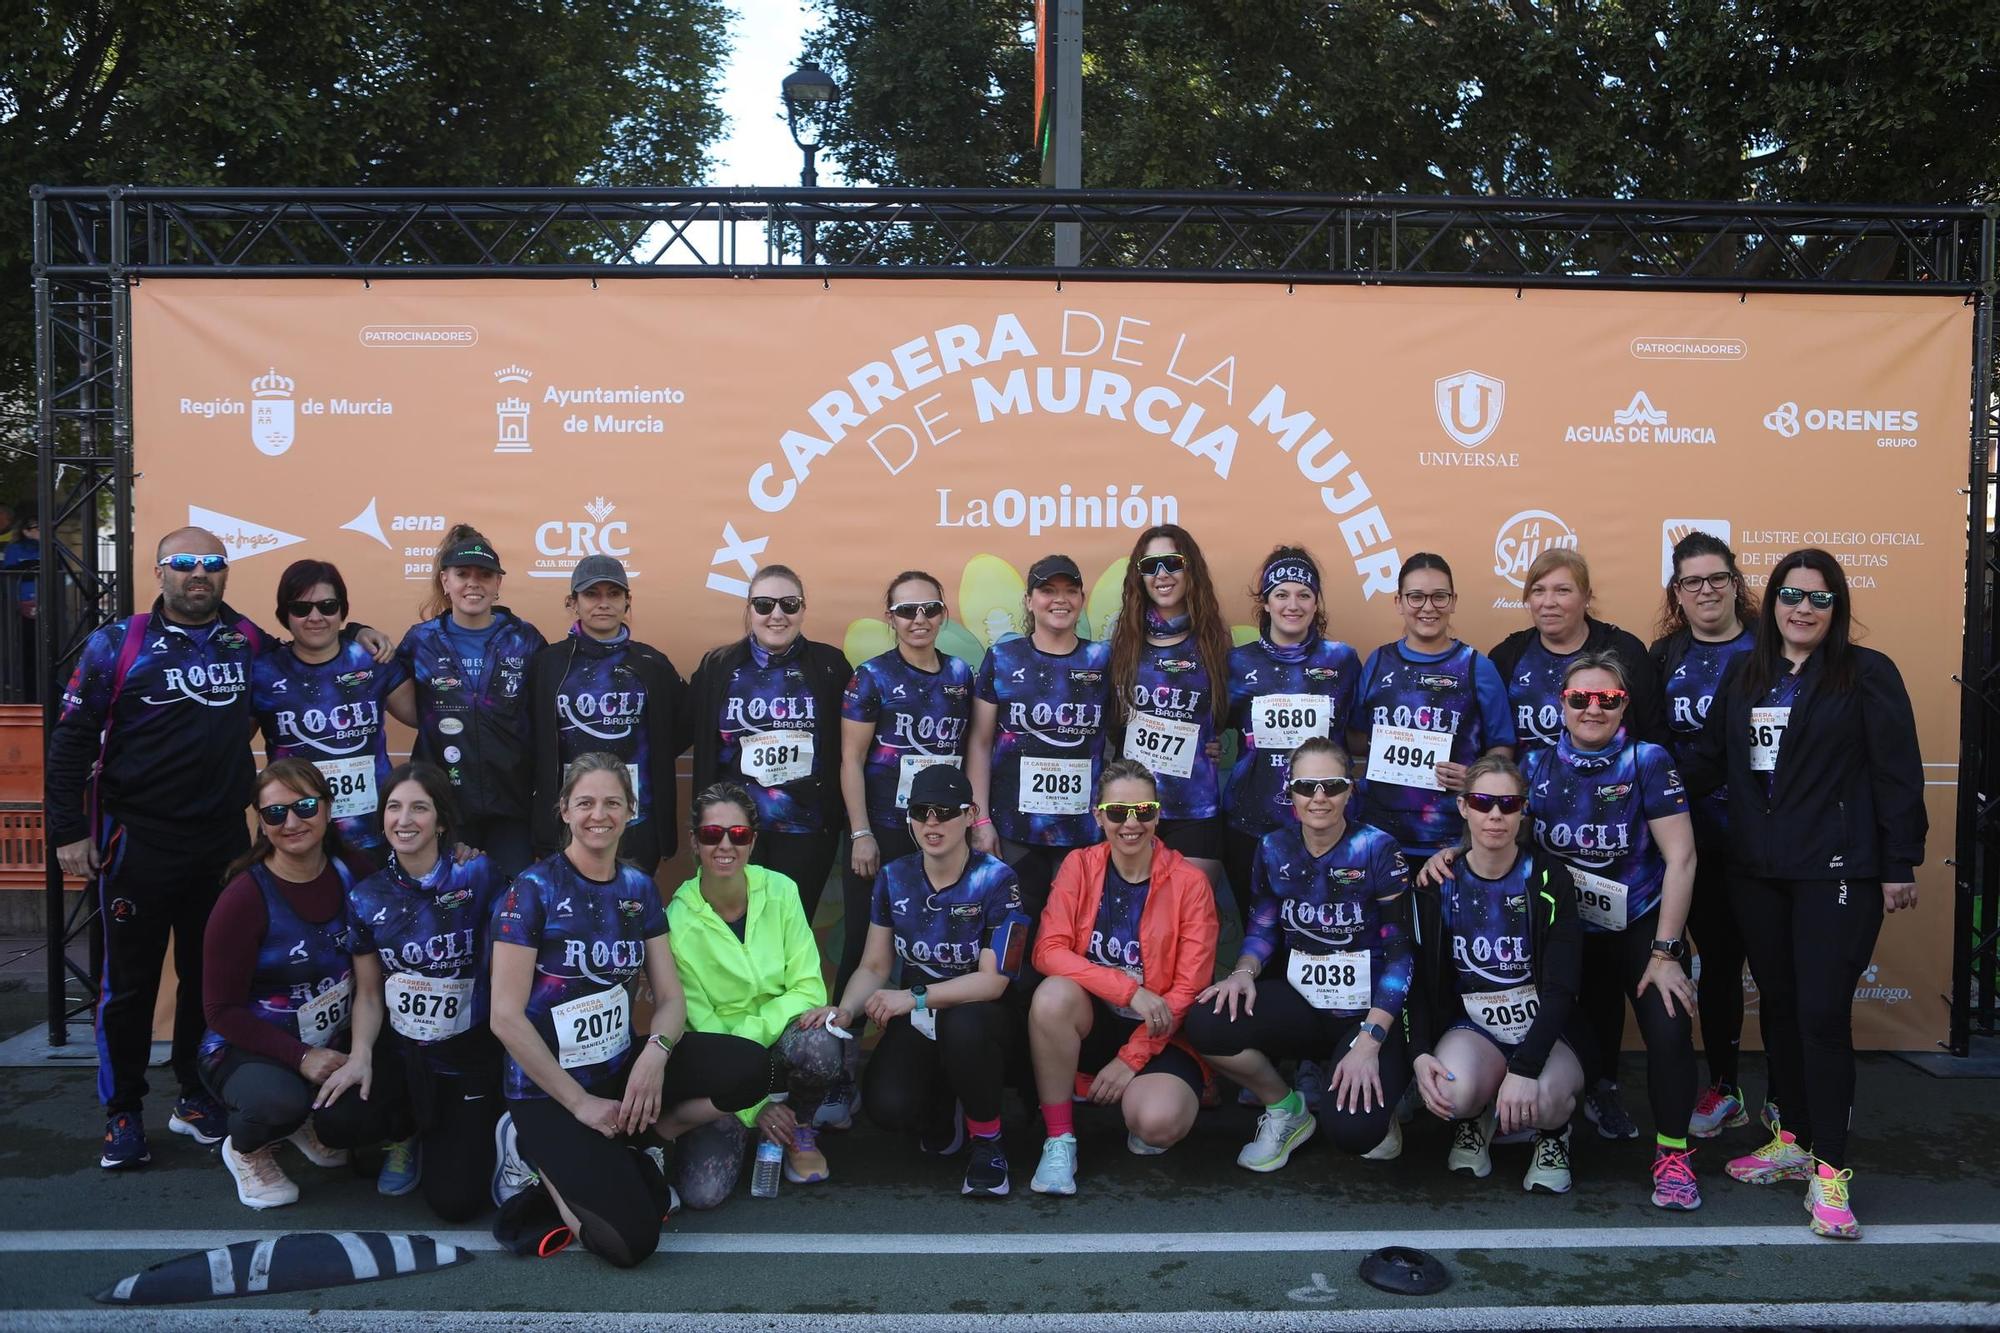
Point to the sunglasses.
(188, 564)
(1173, 562)
(942, 814)
(305, 808)
(1694, 583)
(711, 835)
(916, 610)
(1820, 597)
(1441, 599)
(326, 606)
(1309, 787)
(1117, 812)
(791, 606)
(1609, 700)
(1485, 802)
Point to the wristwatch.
(1674, 949)
(917, 993)
(1375, 1030)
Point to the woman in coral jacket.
(1127, 941)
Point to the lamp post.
(809, 92)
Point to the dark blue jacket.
(476, 731)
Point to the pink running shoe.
(1780, 1159)
(1826, 1203)
(1673, 1179)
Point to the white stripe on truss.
(1677, 1237)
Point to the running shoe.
(1826, 1203)
(836, 1109)
(986, 1174)
(201, 1118)
(124, 1143)
(511, 1172)
(1056, 1172)
(1138, 1147)
(805, 1164)
(260, 1181)
(1780, 1159)
(1602, 1108)
(1391, 1146)
(1471, 1146)
(306, 1139)
(1548, 1164)
(1673, 1179)
(658, 1157)
(946, 1139)
(1718, 1108)
(402, 1168)
(1769, 1115)
(1279, 1135)
(1312, 1083)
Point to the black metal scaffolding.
(92, 243)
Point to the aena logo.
(1469, 405)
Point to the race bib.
(1767, 733)
(1599, 901)
(913, 764)
(925, 1021)
(1332, 980)
(1407, 757)
(1286, 721)
(593, 1029)
(428, 1008)
(1054, 786)
(1165, 745)
(325, 1015)
(353, 783)
(773, 758)
(1505, 1015)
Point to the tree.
(338, 92)
(1727, 99)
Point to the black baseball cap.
(1054, 567)
(598, 569)
(940, 784)
(472, 552)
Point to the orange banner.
(697, 428)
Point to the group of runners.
(1431, 877)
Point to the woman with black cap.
(1037, 746)
(602, 691)
(468, 667)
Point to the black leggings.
(806, 858)
(1287, 1027)
(269, 1101)
(1808, 942)
(1613, 965)
(453, 1109)
(612, 1187)
(857, 897)
(504, 839)
(1719, 988)
(1238, 857)
(912, 1080)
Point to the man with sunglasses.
(147, 774)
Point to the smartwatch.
(917, 993)
(1375, 1030)
(1674, 949)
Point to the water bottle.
(764, 1174)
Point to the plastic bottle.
(764, 1174)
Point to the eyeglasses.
(791, 606)
(326, 606)
(941, 814)
(305, 808)
(1821, 598)
(1485, 802)
(1173, 562)
(711, 835)
(915, 610)
(1609, 700)
(1117, 812)
(1441, 599)
(1310, 787)
(188, 564)
(1694, 583)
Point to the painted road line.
(1441, 1318)
(1681, 1237)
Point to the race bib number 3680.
(1287, 721)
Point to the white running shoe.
(260, 1181)
(1391, 1146)
(511, 1172)
(1471, 1146)
(1056, 1172)
(306, 1139)
(1279, 1135)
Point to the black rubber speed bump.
(1405, 1272)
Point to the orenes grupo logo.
(1524, 536)
(272, 423)
(1789, 420)
(1469, 405)
(512, 412)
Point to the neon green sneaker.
(1780, 1159)
(1826, 1203)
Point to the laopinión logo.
(1469, 405)
(512, 411)
(561, 543)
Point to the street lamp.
(809, 92)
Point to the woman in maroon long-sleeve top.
(278, 991)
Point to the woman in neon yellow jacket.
(750, 966)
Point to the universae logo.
(1469, 405)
